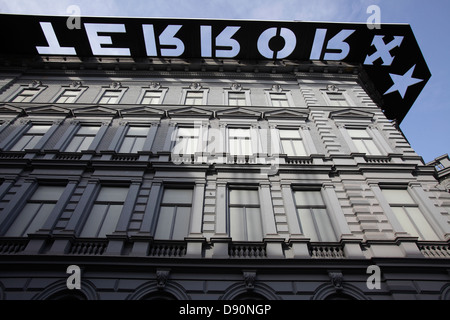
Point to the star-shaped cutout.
(402, 82)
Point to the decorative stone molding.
(75, 84)
(161, 278)
(277, 88)
(195, 86)
(115, 85)
(332, 88)
(35, 84)
(336, 279)
(154, 85)
(236, 87)
(249, 279)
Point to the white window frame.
(250, 141)
(178, 147)
(162, 94)
(348, 101)
(25, 217)
(301, 140)
(60, 94)
(318, 232)
(76, 134)
(175, 215)
(246, 219)
(27, 133)
(195, 88)
(98, 203)
(370, 137)
(245, 92)
(136, 138)
(411, 226)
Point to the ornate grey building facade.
(211, 179)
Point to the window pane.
(164, 225)
(74, 144)
(360, 146)
(358, 133)
(244, 197)
(254, 225)
(47, 193)
(86, 142)
(88, 130)
(23, 143)
(110, 221)
(181, 224)
(405, 221)
(38, 129)
(94, 220)
(294, 134)
(371, 147)
(138, 145)
(39, 219)
(239, 133)
(23, 219)
(112, 194)
(426, 231)
(138, 131)
(324, 226)
(308, 198)
(127, 145)
(307, 224)
(237, 224)
(177, 196)
(394, 196)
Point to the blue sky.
(426, 126)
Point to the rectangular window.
(68, 96)
(31, 137)
(27, 95)
(194, 98)
(236, 99)
(187, 140)
(152, 97)
(337, 99)
(292, 143)
(239, 141)
(408, 214)
(134, 139)
(174, 214)
(105, 213)
(110, 97)
(279, 99)
(36, 211)
(363, 141)
(82, 139)
(245, 215)
(313, 217)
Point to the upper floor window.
(313, 217)
(105, 212)
(174, 214)
(279, 99)
(237, 98)
(134, 139)
(292, 143)
(82, 139)
(337, 99)
(110, 97)
(245, 215)
(36, 211)
(186, 141)
(152, 97)
(26, 95)
(194, 98)
(239, 141)
(68, 96)
(31, 137)
(363, 141)
(408, 214)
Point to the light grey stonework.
(130, 262)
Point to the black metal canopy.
(390, 55)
